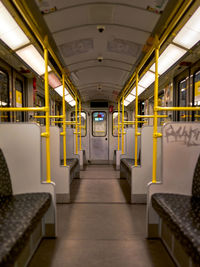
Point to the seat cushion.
(196, 180)
(128, 162)
(19, 215)
(182, 215)
(5, 182)
(70, 162)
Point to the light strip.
(59, 90)
(168, 58)
(68, 98)
(147, 79)
(130, 98)
(32, 57)
(140, 90)
(10, 32)
(126, 103)
(72, 103)
(189, 35)
(54, 82)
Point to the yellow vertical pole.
(136, 118)
(64, 122)
(76, 119)
(118, 125)
(80, 144)
(46, 86)
(155, 122)
(122, 130)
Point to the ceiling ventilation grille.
(77, 47)
(124, 47)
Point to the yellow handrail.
(80, 144)
(64, 122)
(76, 119)
(155, 121)
(122, 137)
(46, 84)
(136, 118)
(118, 133)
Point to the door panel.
(99, 136)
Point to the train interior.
(100, 133)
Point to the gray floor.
(100, 228)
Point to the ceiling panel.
(127, 25)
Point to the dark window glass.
(4, 96)
(99, 123)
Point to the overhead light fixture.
(189, 35)
(68, 98)
(32, 57)
(126, 103)
(147, 79)
(140, 90)
(59, 90)
(53, 80)
(2, 103)
(10, 32)
(130, 98)
(168, 58)
(72, 103)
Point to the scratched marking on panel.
(189, 135)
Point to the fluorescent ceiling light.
(10, 32)
(130, 98)
(189, 35)
(3, 103)
(168, 58)
(72, 103)
(53, 80)
(126, 103)
(147, 79)
(140, 90)
(32, 57)
(59, 90)
(68, 98)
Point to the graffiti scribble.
(186, 134)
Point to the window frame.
(73, 126)
(106, 123)
(113, 121)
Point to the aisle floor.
(100, 228)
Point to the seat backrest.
(5, 182)
(196, 180)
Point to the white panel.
(21, 145)
(141, 19)
(60, 174)
(180, 151)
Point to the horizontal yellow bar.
(99, 131)
(56, 116)
(76, 132)
(176, 108)
(44, 109)
(151, 116)
(45, 134)
(197, 116)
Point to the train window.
(197, 94)
(58, 112)
(182, 91)
(99, 123)
(83, 122)
(19, 99)
(115, 122)
(4, 95)
(40, 102)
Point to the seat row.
(27, 201)
(173, 202)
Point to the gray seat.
(19, 215)
(182, 215)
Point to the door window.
(4, 96)
(99, 123)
